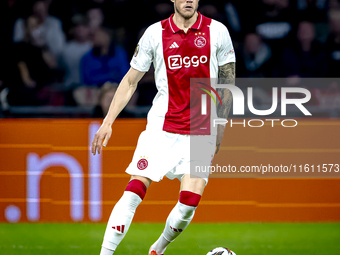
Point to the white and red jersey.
(178, 56)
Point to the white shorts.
(160, 153)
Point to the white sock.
(105, 251)
(178, 219)
(160, 245)
(120, 221)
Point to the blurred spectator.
(105, 62)
(211, 11)
(312, 10)
(85, 96)
(263, 33)
(75, 49)
(306, 58)
(274, 23)
(163, 10)
(49, 30)
(315, 11)
(8, 16)
(254, 58)
(106, 93)
(35, 65)
(334, 4)
(96, 20)
(333, 44)
(232, 17)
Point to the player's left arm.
(226, 75)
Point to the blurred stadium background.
(60, 63)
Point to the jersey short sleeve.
(225, 51)
(143, 56)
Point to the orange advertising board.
(48, 174)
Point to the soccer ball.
(221, 251)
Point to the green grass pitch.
(243, 238)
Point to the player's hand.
(220, 131)
(101, 138)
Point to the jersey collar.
(196, 26)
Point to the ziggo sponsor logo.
(177, 62)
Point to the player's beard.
(186, 16)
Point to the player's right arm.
(122, 96)
(140, 64)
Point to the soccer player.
(184, 46)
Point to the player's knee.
(147, 182)
(137, 187)
(188, 203)
(189, 198)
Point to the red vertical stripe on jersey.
(186, 55)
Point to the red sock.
(189, 198)
(137, 187)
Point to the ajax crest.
(142, 164)
(200, 41)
